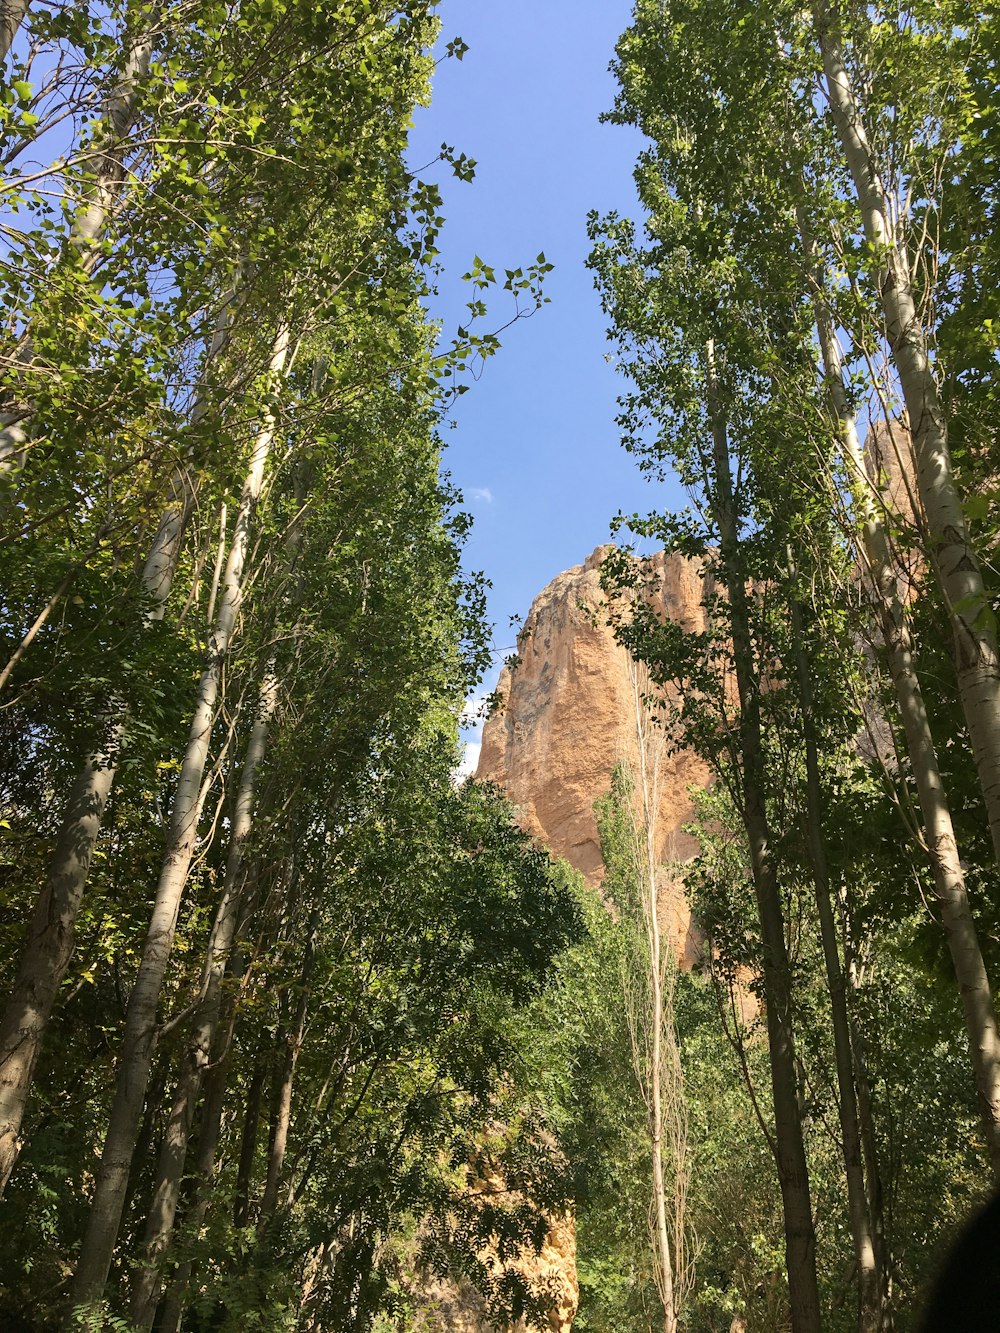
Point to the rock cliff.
(456, 1307)
(566, 717)
(890, 462)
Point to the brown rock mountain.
(456, 1307)
(890, 461)
(567, 717)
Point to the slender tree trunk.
(139, 1039)
(147, 1133)
(49, 945)
(119, 117)
(866, 1122)
(158, 573)
(172, 1306)
(220, 556)
(871, 1293)
(39, 622)
(833, 371)
(173, 1151)
(653, 1092)
(939, 833)
(281, 1121)
(665, 1274)
(282, 1114)
(87, 230)
(949, 880)
(248, 1145)
(793, 1172)
(954, 559)
(12, 14)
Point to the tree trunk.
(172, 1307)
(939, 833)
(141, 1019)
(647, 885)
(248, 1146)
(793, 1172)
(12, 14)
(147, 1134)
(119, 116)
(173, 1151)
(871, 1295)
(282, 1114)
(49, 945)
(873, 1170)
(953, 557)
(46, 611)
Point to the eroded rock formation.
(567, 717)
(456, 1307)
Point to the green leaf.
(977, 506)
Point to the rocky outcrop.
(566, 717)
(891, 464)
(457, 1307)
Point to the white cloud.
(481, 493)
(470, 760)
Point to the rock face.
(890, 462)
(456, 1307)
(567, 717)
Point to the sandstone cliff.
(566, 718)
(456, 1307)
(890, 462)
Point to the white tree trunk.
(12, 14)
(173, 1152)
(119, 117)
(939, 833)
(954, 559)
(139, 1039)
(647, 767)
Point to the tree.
(628, 848)
(887, 225)
(735, 182)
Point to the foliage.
(219, 180)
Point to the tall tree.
(248, 193)
(627, 822)
(887, 226)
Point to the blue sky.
(535, 448)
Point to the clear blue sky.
(535, 448)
